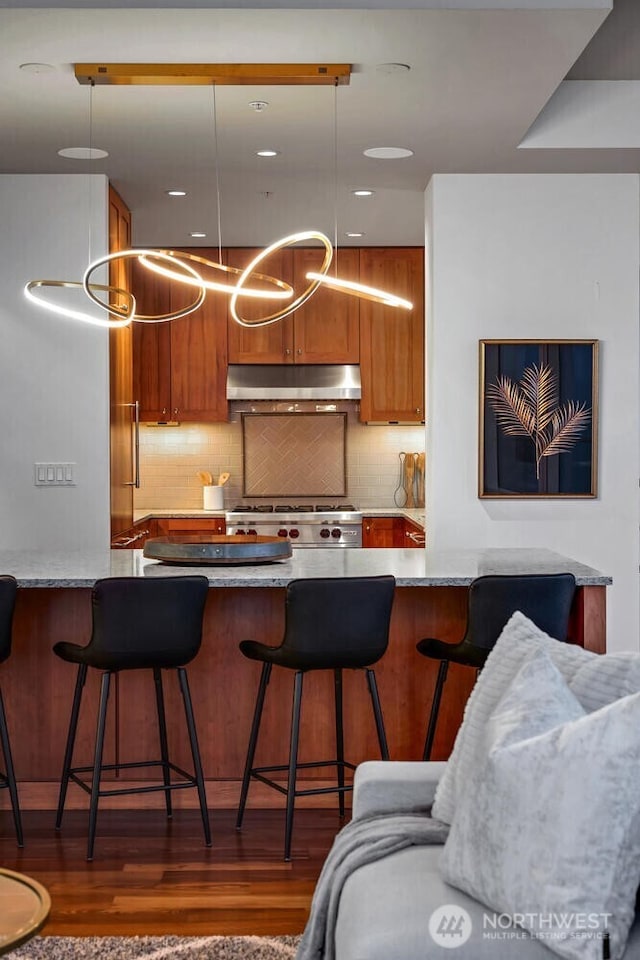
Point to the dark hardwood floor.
(151, 876)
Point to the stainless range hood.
(293, 381)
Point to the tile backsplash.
(170, 458)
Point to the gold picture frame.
(538, 419)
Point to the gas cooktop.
(293, 508)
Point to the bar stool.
(544, 598)
(137, 624)
(8, 591)
(330, 624)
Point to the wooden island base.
(38, 691)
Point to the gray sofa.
(385, 906)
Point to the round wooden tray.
(222, 550)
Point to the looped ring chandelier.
(177, 265)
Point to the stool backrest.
(8, 590)
(147, 622)
(338, 622)
(544, 598)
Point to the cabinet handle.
(299, 352)
(164, 410)
(417, 538)
(287, 352)
(175, 411)
(368, 529)
(126, 541)
(417, 409)
(136, 445)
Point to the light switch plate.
(54, 474)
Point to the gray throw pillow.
(548, 832)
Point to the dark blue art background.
(509, 466)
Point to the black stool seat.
(8, 594)
(544, 598)
(138, 624)
(330, 624)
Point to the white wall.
(54, 395)
(531, 256)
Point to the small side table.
(24, 908)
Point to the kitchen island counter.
(411, 568)
(247, 602)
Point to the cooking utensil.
(222, 479)
(206, 477)
(420, 468)
(400, 492)
(409, 474)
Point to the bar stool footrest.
(257, 774)
(188, 780)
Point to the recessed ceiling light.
(37, 67)
(353, 234)
(266, 153)
(388, 153)
(362, 193)
(176, 193)
(196, 233)
(258, 105)
(83, 153)
(392, 68)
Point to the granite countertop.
(412, 568)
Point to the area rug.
(158, 948)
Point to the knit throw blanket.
(360, 842)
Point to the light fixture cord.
(91, 86)
(335, 178)
(215, 155)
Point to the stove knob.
(325, 533)
(252, 533)
(282, 532)
(294, 534)
(239, 533)
(336, 533)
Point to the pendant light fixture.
(178, 266)
(120, 314)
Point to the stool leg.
(71, 739)
(195, 753)
(11, 777)
(162, 729)
(435, 708)
(337, 673)
(253, 740)
(293, 761)
(97, 761)
(377, 712)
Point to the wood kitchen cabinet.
(121, 394)
(391, 532)
(168, 526)
(180, 366)
(392, 339)
(382, 532)
(323, 330)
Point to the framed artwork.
(538, 418)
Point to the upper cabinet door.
(151, 345)
(327, 326)
(392, 339)
(199, 356)
(268, 344)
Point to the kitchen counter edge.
(411, 568)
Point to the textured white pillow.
(594, 679)
(551, 827)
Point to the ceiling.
(479, 78)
